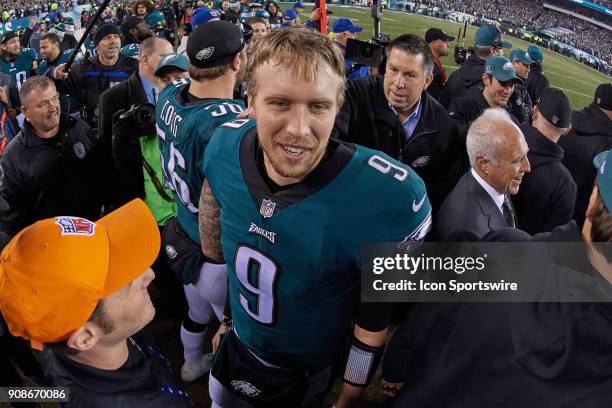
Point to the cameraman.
(132, 143)
(136, 154)
(344, 29)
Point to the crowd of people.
(210, 177)
(533, 16)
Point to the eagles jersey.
(69, 104)
(294, 255)
(20, 69)
(184, 129)
(131, 50)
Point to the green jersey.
(294, 255)
(21, 68)
(131, 50)
(184, 128)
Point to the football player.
(289, 210)
(19, 63)
(187, 114)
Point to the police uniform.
(294, 254)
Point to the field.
(576, 80)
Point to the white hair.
(484, 138)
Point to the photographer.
(127, 117)
(344, 29)
(132, 143)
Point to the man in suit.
(480, 201)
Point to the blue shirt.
(410, 123)
(148, 88)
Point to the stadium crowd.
(533, 16)
(203, 177)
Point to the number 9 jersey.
(294, 255)
(184, 128)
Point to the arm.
(351, 394)
(210, 225)
(347, 116)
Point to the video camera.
(142, 116)
(368, 53)
(461, 54)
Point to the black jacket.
(547, 195)
(436, 88)
(520, 104)
(468, 209)
(145, 380)
(536, 83)
(87, 80)
(463, 79)
(126, 153)
(467, 109)
(433, 150)
(43, 178)
(591, 134)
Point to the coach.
(395, 114)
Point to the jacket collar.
(30, 138)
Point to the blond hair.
(304, 51)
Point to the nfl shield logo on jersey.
(267, 208)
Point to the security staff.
(520, 103)
(536, 82)
(547, 195)
(488, 41)
(53, 166)
(394, 114)
(591, 134)
(499, 79)
(438, 44)
(88, 78)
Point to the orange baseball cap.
(54, 272)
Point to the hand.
(316, 15)
(123, 129)
(3, 95)
(217, 339)
(60, 72)
(388, 388)
(246, 114)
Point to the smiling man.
(289, 209)
(480, 202)
(53, 166)
(499, 79)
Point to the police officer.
(488, 42)
(520, 104)
(88, 78)
(591, 134)
(547, 195)
(499, 79)
(536, 82)
(438, 44)
(53, 166)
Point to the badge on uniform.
(267, 208)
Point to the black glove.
(123, 128)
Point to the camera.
(142, 116)
(364, 53)
(460, 54)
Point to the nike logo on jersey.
(416, 207)
(269, 235)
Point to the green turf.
(577, 80)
